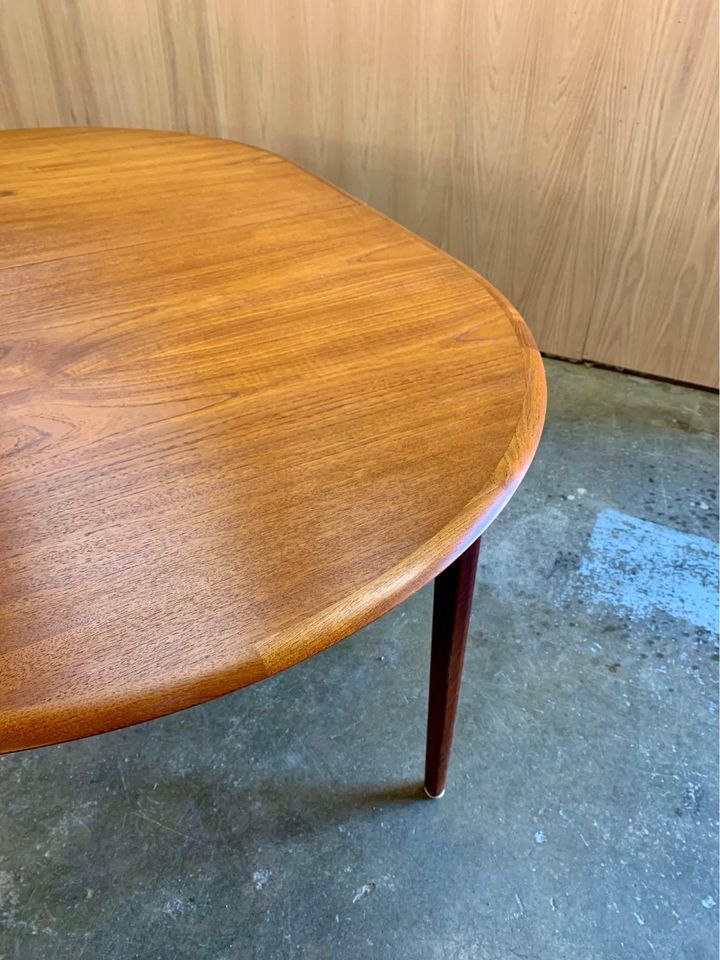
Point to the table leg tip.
(434, 796)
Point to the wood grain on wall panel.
(659, 313)
(567, 151)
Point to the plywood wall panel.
(565, 150)
(656, 308)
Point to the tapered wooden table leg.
(452, 604)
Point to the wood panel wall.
(565, 150)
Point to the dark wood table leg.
(452, 604)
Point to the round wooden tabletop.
(243, 414)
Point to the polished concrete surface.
(286, 820)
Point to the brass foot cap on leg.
(434, 796)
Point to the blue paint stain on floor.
(643, 568)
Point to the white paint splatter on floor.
(261, 878)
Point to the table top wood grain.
(242, 415)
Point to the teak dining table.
(243, 415)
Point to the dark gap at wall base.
(633, 373)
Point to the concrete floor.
(283, 821)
